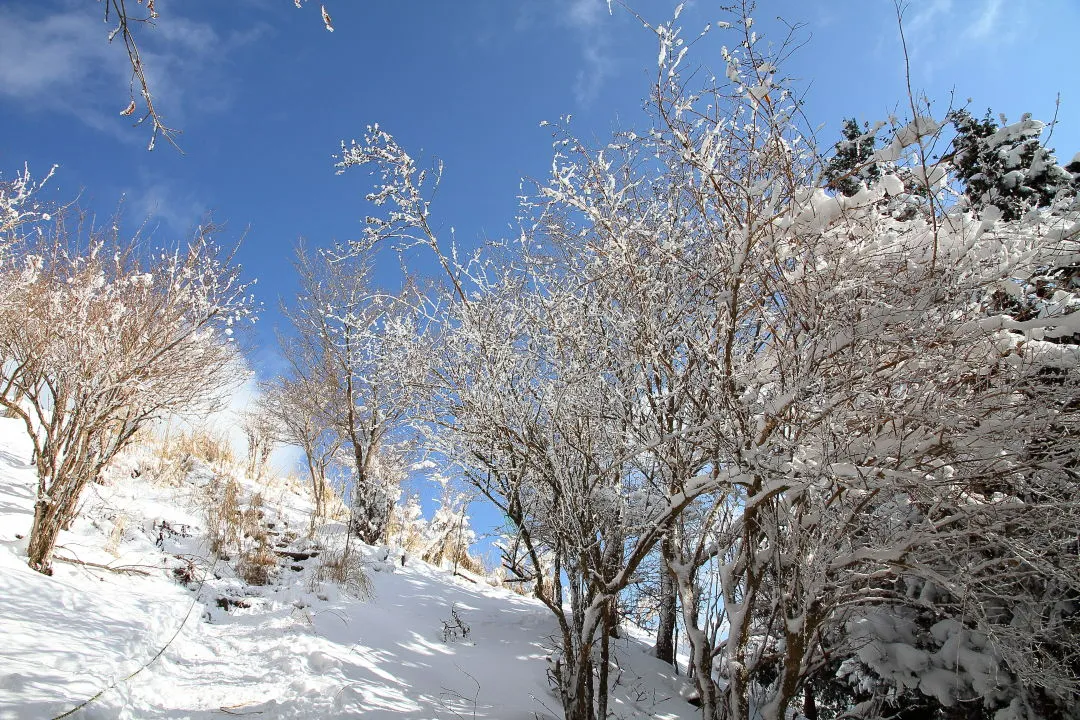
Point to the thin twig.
(119, 569)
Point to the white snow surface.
(293, 652)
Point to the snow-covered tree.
(19, 206)
(869, 392)
(852, 164)
(361, 349)
(104, 341)
(811, 403)
(1007, 165)
(449, 534)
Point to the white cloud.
(63, 61)
(586, 19)
(986, 21)
(165, 204)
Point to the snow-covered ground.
(288, 649)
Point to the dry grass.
(473, 564)
(112, 545)
(206, 446)
(224, 517)
(346, 570)
(451, 553)
(176, 454)
(234, 527)
(258, 565)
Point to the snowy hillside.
(292, 648)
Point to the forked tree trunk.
(577, 691)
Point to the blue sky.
(264, 95)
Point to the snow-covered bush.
(373, 502)
(108, 337)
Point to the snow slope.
(161, 648)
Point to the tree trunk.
(576, 691)
(700, 666)
(665, 632)
(809, 704)
(605, 655)
(54, 511)
(317, 492)
(48, 522)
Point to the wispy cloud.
(44, 58)
(586, 19)
(986, 21)
(165, 205)
(62, 61)
(939, 31)
(585, 13)
(926, 14)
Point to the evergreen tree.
(851, 164)
(1006, 165)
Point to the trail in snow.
(297, 650)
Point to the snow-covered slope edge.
(291, 648)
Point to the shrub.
(345, 569)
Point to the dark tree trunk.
(577, 690)
(809, 704)
(665, 631)
(605, 655)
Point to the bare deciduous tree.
(355, 350)
(296, 405)
(261, 436)
(104, 341)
